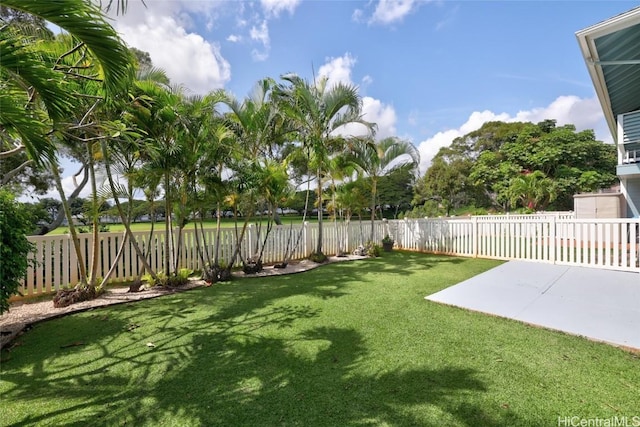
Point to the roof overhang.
(611, 50)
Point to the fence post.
(385, 225)
(552, 239)
(406, 243)
(474, 237)
(74, 269)
(307, 239)
(250, 240)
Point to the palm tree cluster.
(81, 94)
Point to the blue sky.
(428, 71)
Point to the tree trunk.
(124, 219)
(62, 214)
(95, 247)
(373, 207)
(238, 247)
(72, 228)
(319, 245)
(167, 226)
(8, 176)
(216, 259)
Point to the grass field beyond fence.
(208, 223)
(347, 344)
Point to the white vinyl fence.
(57, 263)
(601, 243)
(559, 239)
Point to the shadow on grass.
(240, 379)
(236, 354)
(328, 281)
(262, 381)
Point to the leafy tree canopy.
(489, 167)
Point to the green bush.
(14, 247)
(318, 257)
(372, 249)
(175, 280)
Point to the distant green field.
(210, 223)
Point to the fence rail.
(601, 243)
(550, 238)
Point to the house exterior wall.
(632, 189)
(628, 169)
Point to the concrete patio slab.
(602, 305)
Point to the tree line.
(85, 95)
(515, 166)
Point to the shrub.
(318, 257)
(14, 247)
(373, 250)
(178, 279)
(213, 273)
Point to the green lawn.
(347, 344)
(210, 223)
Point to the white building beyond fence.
(551, 238)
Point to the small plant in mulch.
(210, 273)
(217, 272)
(372, 249)
(318, 257)
(175, 280)
(252, 266)
(136, 286)
(67, 297)
(179, 279)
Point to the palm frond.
(21, 65)
(28, 128)
(84, 21)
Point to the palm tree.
(534, 190)
(34, 90)
(376, 159)
(155, 110)
(340, 167)
(257, 122)
(125, 155)
(318, 113)
(200, 133)
(259, 128)
(50, 89)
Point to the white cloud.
(338, 70)
(261, 35)
(274, 7)
(357, 15)
(391, 11)
(383, 115)
(234, 38)
(162, 30)
(241, 23)
(259, 56)
(583, 113)
(374, 111)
